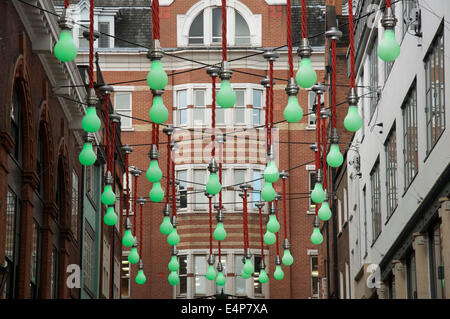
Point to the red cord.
(284, 208)
(66, 4)
(224, 30)
(128, 185)
(267, 116)
(169, 140)
(108, 146)
(304, 32)
(113, 135)
(141, 243)
(278, 241)
(271, 103)
(210, 227)
(388, 3)
(333, 80)
(289, 38)
(318, 130)
(324, 160)
(246, 244)
(174, 200)
(155, 19)
(157, 136)
(352, 44)
(213, 120)
(261, 236)
(91, 45)
(135, 202)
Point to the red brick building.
(190, 30)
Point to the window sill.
(434, 145)
(311, 128)
(127, 129)
(308, 212)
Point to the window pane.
(257, 285)
(183, 275)
(257, 186)
(182, 105)
(199, 107)
(11, 214)
(239, 178)
(239, 115)
(75, 207)
(240, 97)
(182, 176)
(217, 25)
(257, 98)
(314, 276)
(311, 115)
(122, 104)
(200, 274)
(199, 196)
(220, 116)
(196, 30)
(242, 30)
(240, 282)
(391, 171)
(104, 39)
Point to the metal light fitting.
(154, 153)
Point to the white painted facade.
(370, 140)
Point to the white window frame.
(259, 109)
(125, 89)
(311, 117)
(203, 108)
(184, 21)
(240, 107)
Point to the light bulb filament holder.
(225, 71)
(389, 21)
(292, 87)
(304, 49)
(352, 97)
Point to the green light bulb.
(108, 196)
(316, 237)
(157, 78)
(166, 226)
(87, 156)
(173, 278)
(353, 121)
(287, 258)
(271, 173)
(128, 239)
(226, 97)
(154, 173)
(244, 274)
(110, 217)
(140, 277)
(173, 239)
(174, 265)
(133, 257)
(334, 157)
(211, 273)
(324, 211)
(158, 112)
(318, 194)
(268, 193)
(91, 122)
(273, 225)
(306, 76)
(263, 278)
(270, 238)
(248, 266)
(156, 194)
(220, 233)
(293, 113)
(279, 273)
(65, 49)
(388, 49)
(221, 280)
(213, 186)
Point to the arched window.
(206, 28)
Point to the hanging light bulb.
(306, 75)
(108, 197)
(293, 113)
(245, 275)
(174, 265)
(263, 278)
(87, 156)
(226, 98)
(156, 193)
(133, 257)
(271, 173)
(211, 272)
(220, 280)
(213, 186)
(65, 49)
(248, 266)
(110, 217)
(287, 257)
(279, 273)
(91, 122)
(273, 225)
(154, 173)
(353, 121)
(334, 157)
(166, 226)
(140, 277)
(158, 112)
(268, 193)
(173, 278)
(316, 236)
(388, 49)
(318, 194)
(324, 211)
(220, 233)
(269, 238)
(157, 78)
(128, 239)
(173, 239)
